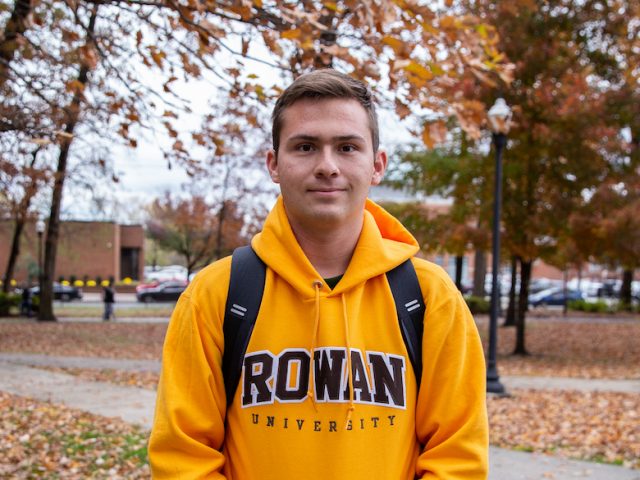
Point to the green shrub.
(598, 306)
(7, 301)
(634, 307)
(478, 304)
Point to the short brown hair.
(325, 83)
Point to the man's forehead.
(307, 111)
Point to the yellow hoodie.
(296, 419)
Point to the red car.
(168, 291)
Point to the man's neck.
(329, 250)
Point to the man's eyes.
(309, 147)
(305, 147)
(348, 148)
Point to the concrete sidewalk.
(136, 405)
(94, 363)
(563, 383)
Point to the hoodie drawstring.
(349, 371)
(317, 285)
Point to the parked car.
(61, 292)
(539, 284)
(161, 292)
(163, 274)
(554, 296)
(141, 287)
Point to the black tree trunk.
(525, 277)
(625, 289)
(13, 254)
(459, 263)
(45, 312)
(510, 319)
(20, 220)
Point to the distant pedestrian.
(109, 298)
(26, 307)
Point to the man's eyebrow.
(302, 136)
(339, 138)
(352, 137)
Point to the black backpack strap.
(410, 307)
(246, 286)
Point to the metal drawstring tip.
(349, 414)
(313, 400)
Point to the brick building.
(86, 250)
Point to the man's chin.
(327, 215)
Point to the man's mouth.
(326, 190)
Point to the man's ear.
(272, 165)
(379, 167)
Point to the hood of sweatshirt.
(384, 244)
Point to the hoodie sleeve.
(451, 415)
(188, 428)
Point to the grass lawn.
(137, 311)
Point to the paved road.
(19, 376)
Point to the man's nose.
(326, 165)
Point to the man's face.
(325, 163)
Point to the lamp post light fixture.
(40, 226)
(500, 122)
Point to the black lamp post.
(40, 226)
(500, 121)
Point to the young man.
(304, 408)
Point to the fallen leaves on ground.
(108, 340)
(147, 380)
(596, 426)
(43, 440)
(575, 349)
(599, 426)
(557, 347)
